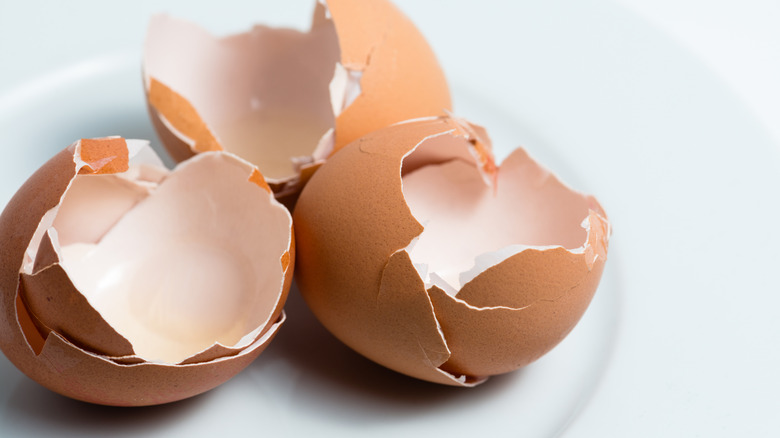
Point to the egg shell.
(195, 81)
(401, 79)
(55, 336)
(355, 232)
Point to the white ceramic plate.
(681, 338)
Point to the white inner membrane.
(196, 262)
(265, 94)
(471, 226)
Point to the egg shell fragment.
(59, 336)
(286, 99)
(360, 270)
(88, 330)
(401, 77)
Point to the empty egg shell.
(420, 253)
(285, 100)
(124, 283)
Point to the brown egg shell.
(361, 66)
(53, 333)
(356, 236)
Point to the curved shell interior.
(274, 103)
(472, 222)
(174, 262)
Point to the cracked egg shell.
(285, 100)
(124, 283)
(421, 254)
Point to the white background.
(738, 40)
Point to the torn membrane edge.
(486, 260)
(480, 149)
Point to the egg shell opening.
(284, 99)
(367, 275)
(63, 230)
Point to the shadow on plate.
(36, 407)
(330, 380)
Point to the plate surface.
(682, 337)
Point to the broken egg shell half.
(285, 100)
(124, 283)
(421, 254)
